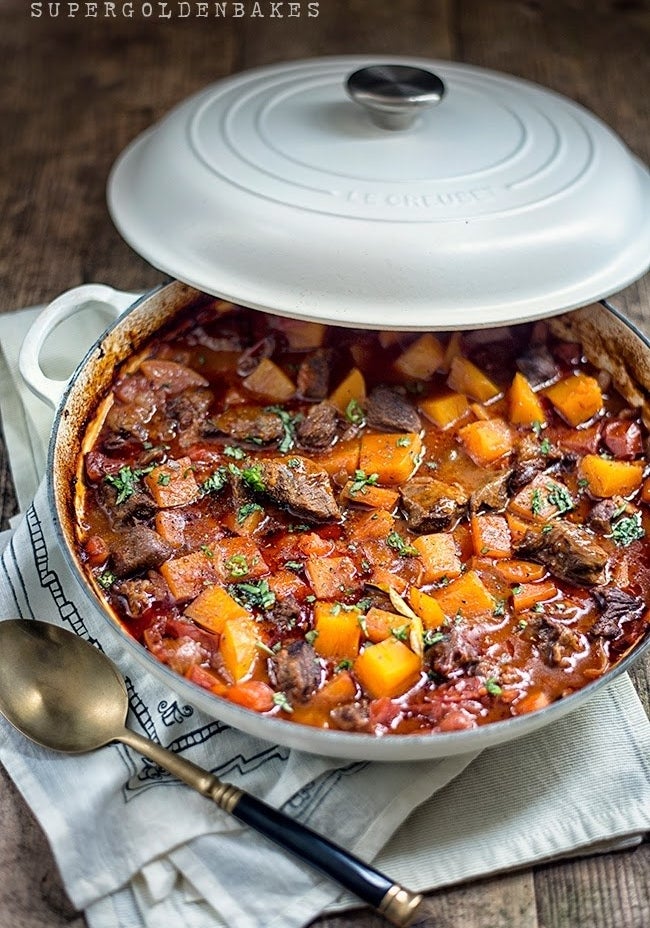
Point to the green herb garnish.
(354, 413)
(252, 477)
(280, 699)
(361, 481)
(247, 510)
(403, 548)
(215, 482)
(627, 530)
(293, 565)
(401, 632)
(311, 636)
(536, 502)
(232, 452)
(289, 422)
(559, 496)
(237, 565)
(432, 636)
(253, 595)
(106, 580)
(493, 687)
(124, 481)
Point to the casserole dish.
(354, 263)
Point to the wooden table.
(76, 90)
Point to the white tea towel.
(137, 850)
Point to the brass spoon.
(64, 694)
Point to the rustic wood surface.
(75, 91)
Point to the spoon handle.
(396, 904)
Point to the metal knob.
(395, 94)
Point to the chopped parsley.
(288, 421)
(107, 579)
(247, 510)
(215, 482)
(232, 452)
(537, 427)
(517, 588)
(163, 480)
(432, 636)
(311, 636)
(493, 687)
(500, 607)
(536, 502)
(403, 442)
(344, 665)
(354, 413)
(237, 565)
(401, 632)
(361, 481)
(280, 699)
(207, 550)
(403, 548)
(545, 446)
(559, 496)
(627, 530)
(257, 595)
(293, 565)
(252, 477)
(124, 481)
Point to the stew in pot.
(378, 532)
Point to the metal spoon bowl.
(66, 695)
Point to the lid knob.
(394, 94)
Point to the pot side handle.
(72, 301)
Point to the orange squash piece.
(379, 622)
(465, 377)
(341, 461)
(338, 691)
(352, 387)
(438, 555)
(331, 577)
(514, 571)
(428, 608)
(387, 669)
(467, 596)
(446, 410)
(269, 382)
(238, 647)
(170, 525)
(421, 359)
(540, 498)
(607, 478)
(238, 559)
(524, 406)
(368, 495)
(491, 536)
(338, 631)
(186, 576)
(373, 525)
(526, 595)
(173, 483)
(577, 398)
(487, 441)
(383, 579)
(393, 456)
(213, 607)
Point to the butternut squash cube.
(427, 608)
(491, 536)
(465, 377)
(444, 411)
(524, 406)
(393, 456)
(269, 382)
(467, 596)
(239, 647)
(372, 496)
(173, 483)
(339, 631)
(486, 442)
(421, 359)
(341, 461)
(331, 577)
(379, 622)
(611, 478)
(352, 387)
(387, 669)
(213, 607)
(186, 576)
(438, 555)
(577, 398)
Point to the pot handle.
(72, 301)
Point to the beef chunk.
(188, 410)
(431, 505)
(388, 410)
(530, 461)
(142, 592)
(139, 548)
(139, 506)
(568, 551)
(555, 641)
(318, 428)
(623, 438)
(285, 614)
(251, 357)
(247, 423)
(296, 671)
(454, 652)
(538, 366)
(301, 487)
(314, 375)
(492, 495)
(616, 607)
(603, 513)
(354, 716)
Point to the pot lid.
(396, 198)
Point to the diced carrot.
(252, 694)
(486, 442)
(542, 499)
(338, 631)
(375, 524)
(170, 525)
(368, 495)
(524, 406)
(465, 377)
(446, 410)
(270, 382)
(386, 339)
(331, 577)
(438, 555)
(422, 358)
(392, 456)
(383, 579)
(342, 460)
(467, 596)
(388, 668)
(577, 398)
(173, 483)
(352, 387)
(520, 571)
(525, 595)
(611, 478)
(427, 608)
(491, 535)
(531, 702)
(186, 576)
(238, 647)
(213, 607)
(379, 622)
(238, 559)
